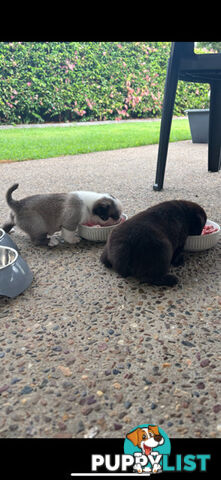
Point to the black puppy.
(148, 243)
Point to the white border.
(107, 474)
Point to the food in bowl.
(209, 229)
(209, 238)
(97, 225)
(98, 233)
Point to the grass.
(34, 143)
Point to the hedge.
(72, 81)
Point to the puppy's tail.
(13, 204)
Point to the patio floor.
(84, 352)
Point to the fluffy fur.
(148, 243)
(42, 215)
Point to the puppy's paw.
(75, 240)
(104, 259)
(178, 260)
(170, 280)
(137, 468)
(70, 236)
(156, 468)
(53, 242)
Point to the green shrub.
(69, 81)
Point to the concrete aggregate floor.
(86, 353)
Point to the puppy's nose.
(157, 438)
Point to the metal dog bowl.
(6, 240)
(15, 275)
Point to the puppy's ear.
(134, 436)
(197, 223)
(153, 429)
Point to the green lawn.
(33, 143)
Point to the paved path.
(87, 353)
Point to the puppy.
(42, 215)
(147, 439)
(148, 243)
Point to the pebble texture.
(86, 353)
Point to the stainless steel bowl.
(7, 257)
(15, 274)
(6, 240)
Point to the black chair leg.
(168, 104)
(214, 157)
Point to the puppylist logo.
(147, 444)
(146, 451)
(151, 448)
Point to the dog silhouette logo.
(147, 443)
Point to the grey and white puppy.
(40, 216)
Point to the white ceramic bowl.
(97, 234)
(195, 243)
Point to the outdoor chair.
(185, 65)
